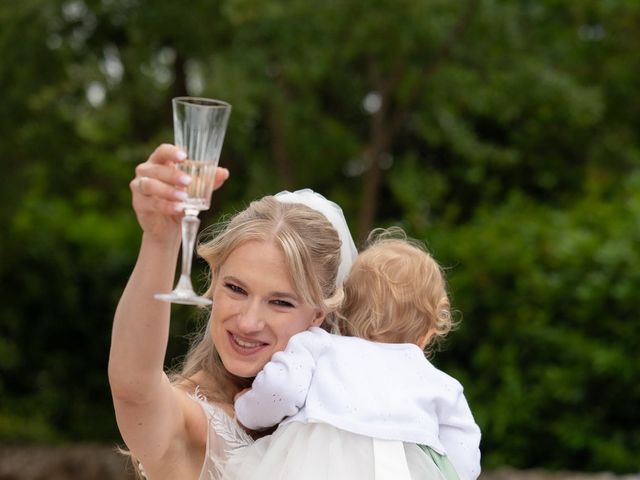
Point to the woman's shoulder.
(213, 426)
(224, 434)
(199, 390)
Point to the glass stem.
(190, 224)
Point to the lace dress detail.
(224, 437)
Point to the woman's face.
(256, 310)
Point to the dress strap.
(390, 461)
(443, 463)
(221, 424)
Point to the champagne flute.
(199, 128)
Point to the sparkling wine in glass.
(199, 127)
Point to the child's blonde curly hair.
(396, 293)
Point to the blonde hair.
(396, 293)
(311, 247)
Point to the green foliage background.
(503, 133)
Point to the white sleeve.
(280, 389)
(460, 437)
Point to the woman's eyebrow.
(235, 280)
(231, 278)
(287, 295)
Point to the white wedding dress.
(314, 451)
(224, 438)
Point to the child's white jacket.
(381, 390)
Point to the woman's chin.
(243, 371)
(244, 367)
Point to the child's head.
(395, 293)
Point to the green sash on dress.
(442, 462)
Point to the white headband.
(333, 212)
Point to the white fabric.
(300, 451)
(224, 438)
(317, 451)
(390, 461)
(380, 390)
(333, 212)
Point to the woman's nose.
(250, 318)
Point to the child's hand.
(241, 392)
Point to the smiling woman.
(276, 270)
(256, 314)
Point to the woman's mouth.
(244, 345)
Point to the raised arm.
(152, 415)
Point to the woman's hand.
(157, 190)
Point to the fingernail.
(185, 179)
(180, 195)
(181, 155)
(178, 207)
(225, 173)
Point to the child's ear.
(425, 339)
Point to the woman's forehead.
(261, 262)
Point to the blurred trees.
(547, 344)
(502, 133)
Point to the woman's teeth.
(246, 344)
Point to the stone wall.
(97, 462)
(511, 474)
(86, 462)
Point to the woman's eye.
(282, 303)
(234, 288)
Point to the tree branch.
(278, 135)
(385, 126)
(443, 54)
